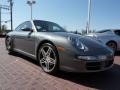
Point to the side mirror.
(27, 29)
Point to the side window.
(25, 25)
(19, 27)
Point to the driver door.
(25, 39)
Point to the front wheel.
(48, 58)
(8, 43)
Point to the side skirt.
(25, 53)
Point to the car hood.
(95, 47)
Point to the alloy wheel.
(8, 44)
(48, 58)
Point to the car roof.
(43, 21)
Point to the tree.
(83, 32)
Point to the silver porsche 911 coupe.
(56, 49)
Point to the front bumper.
(94, 66)
(79, 65)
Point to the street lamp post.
(11, 12)
(89, 17)
(0, 18)
(2, 7)
(30, 3)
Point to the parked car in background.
(109, 37)
(3, 34)
(55, 49)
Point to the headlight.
(78, 44)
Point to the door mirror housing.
(27, 29)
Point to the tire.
(48, 58)
(9, 45)
(112, 45)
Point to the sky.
(71, 14)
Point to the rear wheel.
(48, 58)
(9, 44)
(112, 45)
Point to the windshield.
(45, 26)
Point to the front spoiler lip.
(94, 71)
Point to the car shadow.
(24, 57)
(2, 36)
(107, 80)
(117, 53)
